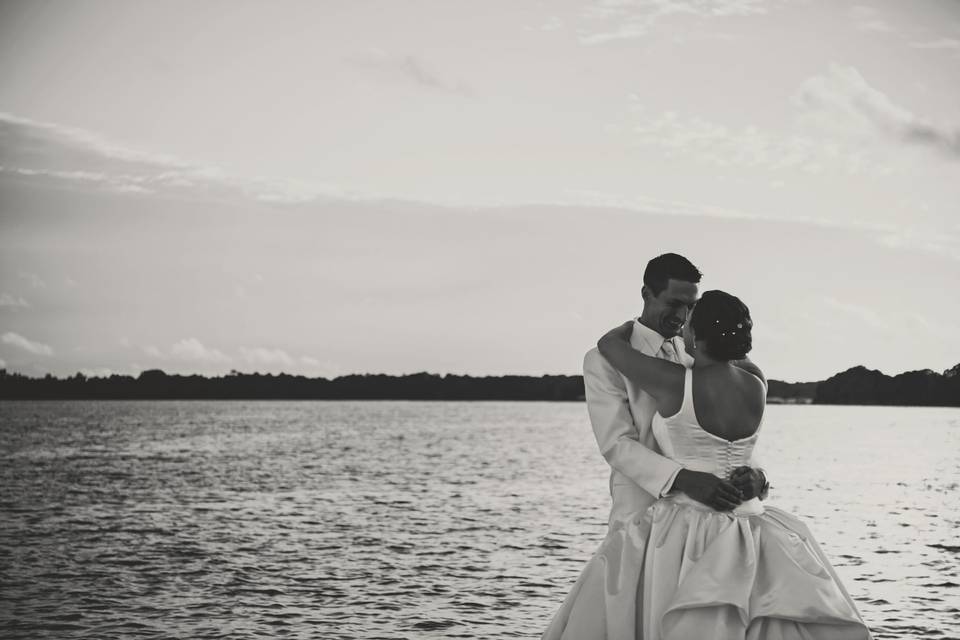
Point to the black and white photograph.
(428, 319)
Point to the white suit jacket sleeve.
(609, 409)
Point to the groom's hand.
(709, 489)
(749, 481)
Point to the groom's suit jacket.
(621, 414)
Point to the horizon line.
(237, 373)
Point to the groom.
(621, 412)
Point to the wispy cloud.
(862, 314)
(262, 358)
(119, 183)
(17, 340)
(943, 243)
(193, 350)
(722, 145)
(553, 23)
(319, 367)
(7, 300)
(65, 156)
(951, 44)
(97, 372)
(266, 356)
(869, 19)
(842, 123)
(154, 352)
(15, 128)
(842, 101)
(628, 19)
(33, 279)
(408, 67)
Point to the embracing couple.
(691, 552)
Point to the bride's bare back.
(728, 401)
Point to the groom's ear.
(645, 293)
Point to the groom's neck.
(650, 324)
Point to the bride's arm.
(751, 480)
(654, 375)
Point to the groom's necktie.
(669, 352)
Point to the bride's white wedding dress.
(754, 573)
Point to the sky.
(327, 188)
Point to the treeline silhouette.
(858, 385)
(156, 385)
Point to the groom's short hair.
(661, 269)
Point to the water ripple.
(410, 520)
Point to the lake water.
(412, 519)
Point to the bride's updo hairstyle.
(723, 321)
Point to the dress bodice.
(681, 438)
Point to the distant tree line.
(157, 385)
(854, 386)
(860, 385)
(791, 392)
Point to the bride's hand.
(749, 481)
(708, 489)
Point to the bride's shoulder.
(748, 366)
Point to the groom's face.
(668, 310)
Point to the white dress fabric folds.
(680, 570)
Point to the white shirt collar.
(644, 338)
(650, 342)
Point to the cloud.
(553, 23)
(53, 154)
(862, 314)
(33, 280)
(278, 360)
(842, 124)
(193, 350)
(324, 368)
(942, 43)
(97, 372)
(154, 352)
(719, 145)
(637, 18)
(266, 356)
(943, 243)
(36, 348)
(843, 101)
(13, 127)
(3, 363)
(869, 19)
(118, 183)
(408, 67)
(7, 300)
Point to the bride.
(753, 573)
